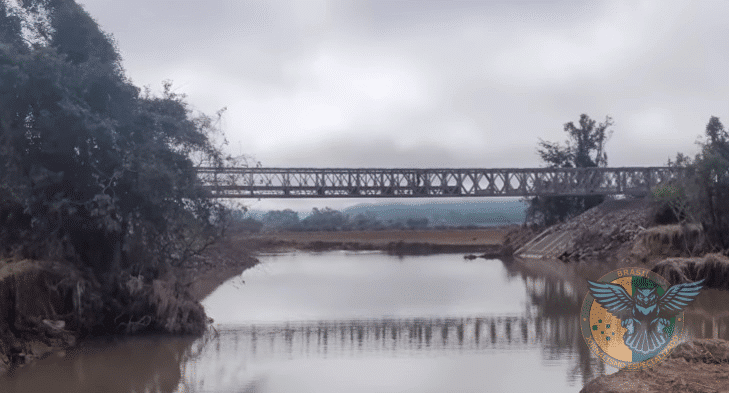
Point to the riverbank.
(52, 331)
(47, 307)
(693, 366)
(620, 233)
(221, 262)
(400, 242)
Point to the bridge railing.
(378, 182)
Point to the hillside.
(462, 213)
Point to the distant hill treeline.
(387, 216)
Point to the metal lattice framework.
(409, 183)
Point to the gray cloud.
(433, 83)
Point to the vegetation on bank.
(697, 201)
(378, 217)
(326, 219)
(94, 171)
(97, 184)
(584, 148)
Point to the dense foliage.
(93, 170)
(701, 195)
(585, 148)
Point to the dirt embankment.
(36, 307)
(607, 231)
(620, 231)
(400, 242)
(47, 306)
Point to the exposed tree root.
(46, 305)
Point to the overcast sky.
(426, 83)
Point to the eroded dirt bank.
(693, 366)
(47, 306)
(37, 310)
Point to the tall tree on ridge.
(584, 148)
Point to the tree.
(417, 223)
(711, 171)
(365, 221)
(700, 195)
(281, 219)
(93, 170)
(671, 203)
(326, 219)
(584, 148)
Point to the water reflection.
(557, 301)
(147, 364)
(708, 316)
(365, 337)
(545, 323)
(236, 353)
(538, 337)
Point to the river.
(363, 322)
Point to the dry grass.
(455, 237)
(667, 241)
(714, 268)
(698, 365)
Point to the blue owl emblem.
(645, 315)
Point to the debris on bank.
(604, 232)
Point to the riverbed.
(360, 322)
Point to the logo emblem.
(631, 318)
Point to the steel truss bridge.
(414, 183)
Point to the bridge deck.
(409, 183)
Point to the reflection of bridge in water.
(335, 338)
(381, 183)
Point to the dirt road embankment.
(400, 242)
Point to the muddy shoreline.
(47, 307)
(67, 302)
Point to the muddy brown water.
(365, 322)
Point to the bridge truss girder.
(409, 183)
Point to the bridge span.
(414, 183)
